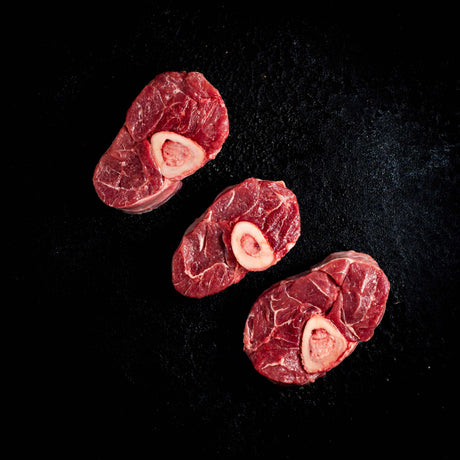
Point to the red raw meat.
(249, 227)
(301, 327)
(174, 126)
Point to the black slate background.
(355, 109)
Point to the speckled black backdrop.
(355, 110)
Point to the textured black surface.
(355, 110)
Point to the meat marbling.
(248, 227)
(301, 327)
(174, 126)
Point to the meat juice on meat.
(248, 227)
(175, 125)
(301, 327)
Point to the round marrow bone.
(176, 156)
(250, 247)
(323, 346)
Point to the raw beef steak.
(174, 126)
(249, 227)
(303, 326)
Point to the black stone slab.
(354, 108)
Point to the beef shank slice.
(264, 216)
(176, 124)
(301, 327)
